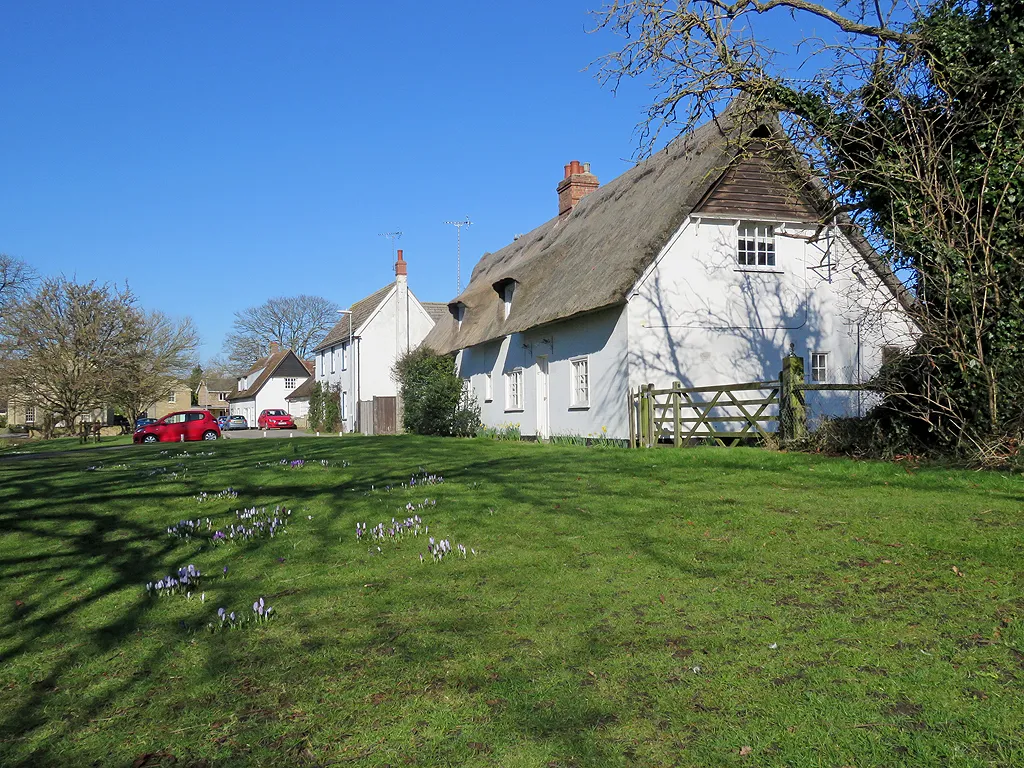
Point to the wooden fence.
(727, 414)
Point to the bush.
(433, 398)
(324, 408)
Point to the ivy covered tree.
(912, 119)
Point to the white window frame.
(819, 367)
(30, 415)
(514, 390)
(289, 382)
(757, 233)
(172, 397)
(322, 356)
(488, 387)
(344, 405)
(332, 359)
(575, 399)
(344, 355)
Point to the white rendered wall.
(372, 358)
(600, 336)
(700, 318)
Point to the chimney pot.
(577, 184)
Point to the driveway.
(252, 434)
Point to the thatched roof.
(592, 257)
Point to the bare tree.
(297, 323)
(66, 346)
(911, 121)
(16, 280)
(162, 356)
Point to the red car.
(175, 427)
(275, 418)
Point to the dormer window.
(458, 312)
(505, 288)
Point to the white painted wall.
(271, 395)
(700, 318)
(600, 335)
(384, 335)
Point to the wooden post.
(631, 417)
(792, 407)
(677, 437)
(642, 407)
(652, 437)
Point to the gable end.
(757, 188)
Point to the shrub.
(433, 397)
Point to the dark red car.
(275, 418)
(178, 426)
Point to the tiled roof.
(303, 390)
(272, 364)
(361, 312)
(436, 309)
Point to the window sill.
(513, 410)
(760, 270)
(579, 407)
(488, 399)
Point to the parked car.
(178, 426)
(144, 421)
(275, 418)
(222, 422)
(237, 422)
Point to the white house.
(703, 264)
(359, 353)
(267, 385)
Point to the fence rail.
(686, 415)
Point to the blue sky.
(214, 155)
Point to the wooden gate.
(724, 415)
(385, 420)
(688, 415)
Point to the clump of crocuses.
(186, 529)
(425, 478)
(261, 613)
(227, 493)
(254, 523)
(439, 550)
(411, 526)
(187, 580)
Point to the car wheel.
(150, 439)
(209, 435)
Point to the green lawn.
(703, 607)
(21, 445)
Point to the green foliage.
(502, 432)
(315, 417)
(953, 105)
(433, 397)
(331, 407)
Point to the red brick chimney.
(401, 267)
(274, 347)
(577, 184)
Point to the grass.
(23, 445)
(703, 607)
